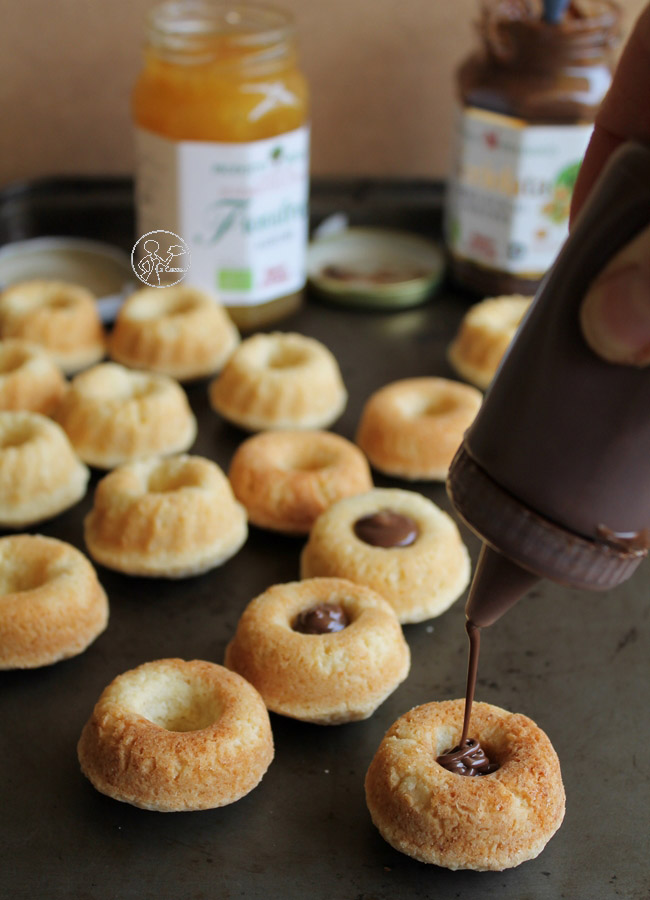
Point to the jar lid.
(101, 268)
(375, 267)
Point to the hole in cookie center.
(311, 461)
(16, 435)
(437, 406)
(12, 359)
(286, 358)
(59, 301)
(174, 702)
(18, 575)
(163, 481)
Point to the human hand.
(615, 314)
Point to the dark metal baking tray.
(577, 663)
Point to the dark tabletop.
(576, 663)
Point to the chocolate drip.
(386, 528)
(468, 757)
(326, 618)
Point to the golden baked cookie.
(179, 331)
(167, 518)
(280, 381)
(51, 604)
(286, 479)
(412, 428)
(396, 542)
(114, 415)
(485, 333)
(175, 736)
(482, 822)
(60, 317)
(29, 379)
(323, 650)
(40, 474)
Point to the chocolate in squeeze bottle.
(554, 473)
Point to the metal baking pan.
(576, 663)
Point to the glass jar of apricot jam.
(222, 146)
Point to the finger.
(615, 314)
(624, 113)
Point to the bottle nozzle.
(498, 583)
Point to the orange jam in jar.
(222, 143)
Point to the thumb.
(615, 314)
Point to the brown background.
(381, 74)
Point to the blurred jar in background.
(222, 144)
(528, 100)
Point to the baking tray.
(576, 663)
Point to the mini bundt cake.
(485, 822)
(322, 650)
(412, 428)
(396, 542)
(60, 317)
(51, 604)
(485, 334)
(114, 415)
(286, 479)
(180, 331)
(165, 518)
(280, 381)
(29, 380)
(174, 736)
(40, 474)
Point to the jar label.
(509, 195)
(241, 207)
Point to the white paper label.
(242, 208)
(509, 195)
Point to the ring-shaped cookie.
(486, 822)
(419, 581)
(484, 335)
(60, 317)
(115, 415)
(412, 428)
(328, 678)
(180, 331)
(174, 736)
(40, 474)
(51, 604)
(280, 381)
(166, 518)
(29, 379)
(286, 479)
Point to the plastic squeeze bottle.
(554, 473)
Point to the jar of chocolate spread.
(528, 100)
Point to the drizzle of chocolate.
(325, 618)
(386, 528)
(468, 757)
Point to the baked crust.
(419, 581)
(485, 334)
(279, 381)
(40, 474)
(174, 736)
(51, 604)
(114, 415)
(287, 479)
(326, 679)
(58, 316)
(180, 331)
(487, 822)
(412, 428)
(29, 379)
(166, 518)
